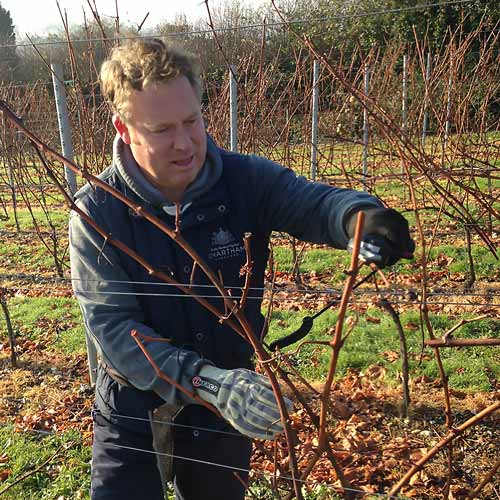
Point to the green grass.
(335, 262)
(325, 260)
(485, 263)
(25, 252)
(21, 258)
(52, 320)
(66, 476)
(318, 260)
(58, 216)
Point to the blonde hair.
(139, 63)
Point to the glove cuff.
(207, 383)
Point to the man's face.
(166, 134)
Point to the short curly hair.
(139, 63)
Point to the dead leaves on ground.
(49, 394)
(373, 446)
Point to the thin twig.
(33, 471)
(247, 270)
(486, 479)
(456, 431)
(138, 337)
(10, 330)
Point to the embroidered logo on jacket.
(224, 246)
(222, 237)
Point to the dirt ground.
(371, 441)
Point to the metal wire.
(286, 299)
(184, 426)
(402, 291)
(230, 467)
(277, 299)
(252, 26)
(415, 302)
(261, 473)
(174, 424)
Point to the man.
(162, 156)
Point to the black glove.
(385, 238)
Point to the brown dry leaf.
(351, 474)
(443, 260)
(341, 455)
(391, 356)
(341, 410)
(372, 319)
(415, 278)
(412, 326)
(418, 454)
(423, 379)
(458, 394)
(4, 474)
(435, 275)
(375, 372)
(416, 478)
(368, 473)
(411, 493)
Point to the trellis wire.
(292, 299)
(368, 450)
(252, 26)
(237, 469)
(392, 291)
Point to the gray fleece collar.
(130, 172)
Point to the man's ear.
(121, 128)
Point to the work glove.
(385, 237)
(244, 398)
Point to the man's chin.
(183, 179)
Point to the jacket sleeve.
(110, 311)
(310, 211)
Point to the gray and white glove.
(244, 398)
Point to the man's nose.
(182, 139)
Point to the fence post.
(404, 104)
(314, 123)
(12, 184)
(365, 130)
(67, 150)
(63, 120)
(10, 172)
(447, 125)
(426, 98)
(233, 105)
(404, 123)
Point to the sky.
(38, 17)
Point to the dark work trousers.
(124, 466)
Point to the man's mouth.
(183, 162)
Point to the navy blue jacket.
(116, 294)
